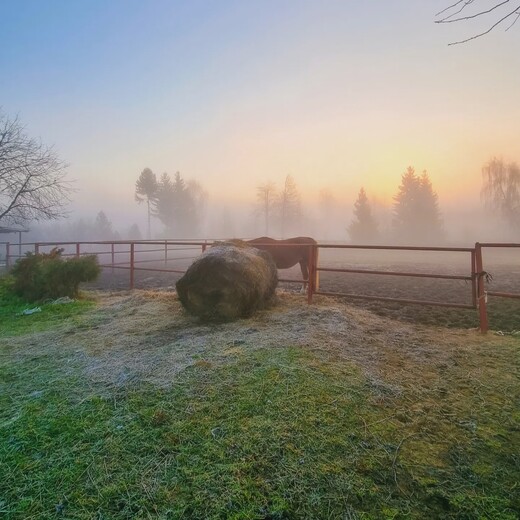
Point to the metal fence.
(174, 256)
(486, 293)
(471, 277)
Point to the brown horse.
(287, 253)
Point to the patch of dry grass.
(147, 336)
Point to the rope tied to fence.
(483, 274)
(488, 277)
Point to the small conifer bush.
(48, 275)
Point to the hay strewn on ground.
(148, 336)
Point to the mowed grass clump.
(284, 433)
(14, 322)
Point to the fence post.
(36, 248)
(165, 253)
(113, 255)
(204, 246)
(473, 280)
(132, 265)
(77, 249)
(316, 272)
(311, 276)
(7, 253)
(484, 325)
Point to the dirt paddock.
(504, 313)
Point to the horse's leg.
(305, 274)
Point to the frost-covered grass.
(289, 430)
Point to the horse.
(287, 253)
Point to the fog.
(462, 226)
(235, 96)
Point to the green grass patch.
(272, 434)
(13, 322)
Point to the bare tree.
(501, 190)
(504, 11)
(265, 196)
(288, 205)
(32, 177)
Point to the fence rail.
(500, 294)
(133, 252)
(474, 276)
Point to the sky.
(339, 94)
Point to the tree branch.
(32, 185)
(514, 21)
(489, 30)
(449, 19)
(452, 14)
(464, 2)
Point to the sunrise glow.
(233, 95)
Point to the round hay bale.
(229, 281)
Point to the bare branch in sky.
(32, 177)
(460, 12)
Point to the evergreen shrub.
(48, 275)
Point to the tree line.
(280, 210)
(178, 204)
(33, 187)
(416, 217)
(416, 214)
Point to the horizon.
(338, 96)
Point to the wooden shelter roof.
(4, 229)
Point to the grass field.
(127, 408)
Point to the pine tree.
(185, 221)
(417, 216)
(163, 204)
(175, 206)
(134, 233)
(103, 228)
(363, 228)
(146, 190)
(429, 212)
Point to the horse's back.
(307, 241)
(263, 241)
(286, 253)
(295, 240)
